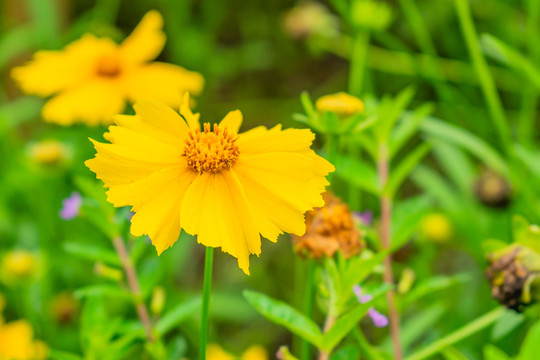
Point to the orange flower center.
(211, 150)
(108, 66)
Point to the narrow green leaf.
(508, 322)
(357, 271)
(529, 159)
(357, 173)
(177, 315)
(283, 314)
(62, 355)
(492, 352)
(407, 127)
(93, 253)
(451, 353)
(531, 346)
(347, 322)
(473, 144)
(102, 291)
(433, 284)
(400, 173)
(307, 104)
(456, 165)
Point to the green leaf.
(93, 253)
(529, 159)
(307, 104)
(390, 110)
(347, 322)
(357, 173)
(102, 291)
(433, 184)
(461, 137)
(509, 56)
(531, 346)
(407, 127)
(456, 165)
(357, 271)
(347, 353)
(492, 352)
(400, 173)
(177, 315)
(62, 355)
(406, 218)
(507, 323)
(433, 284)
(451, 353)
(283, 314)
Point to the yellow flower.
(255, 352)
(48, 152)
(340, 103)
(93, 77)
(17, 343)
(226, 188)
(436, 227)
(19, 263)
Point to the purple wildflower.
(71, 206)
(379, 320)
(365, 218)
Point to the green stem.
(458, 335)
(309, 292)
(207, 285)
(358, 63)
(486, 80)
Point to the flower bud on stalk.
(514, 275)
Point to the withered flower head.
(514, 273)
(329, 229)
(492, 189)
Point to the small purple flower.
(379, 320)
(71, 206)
(365, 218)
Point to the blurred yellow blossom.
(340, 103)
(19, 264)
(92, 78)
(227, 188)
(255, 352)
(436, 227)
(48, 152)
(17, 342)
(310, 18)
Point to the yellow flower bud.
(341, 104)
(19, 263)
(48, 152)
(158, 300)
(436, 228)
(255, 352)
(406, 281)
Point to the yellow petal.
(53, 71)
(185, 110)
(92, 103)
(232, 121)
(157, 130)
(146, 41)
(208, 211)
(261, 140)
(156, 201)
(282, 187)
(162, 116)
(163, 82)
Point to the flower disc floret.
(211, 150)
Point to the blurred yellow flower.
(340, 103)
(48, 152)
(93, 77)
(17, 343)
(436, 227)
(226, 188)
(255, 352)
(19, 263)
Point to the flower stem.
(305, 347)
(358, 63)
(386, 223)
(207, 285)
(134, 286)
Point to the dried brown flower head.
(329, 229)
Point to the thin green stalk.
(207, 286)
(358, 63)
(355, 195)
(309, 292)
(486, 80)
(458, 335)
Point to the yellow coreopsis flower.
(17, 342)
(226, 188)
(92, 78)
(340, 103)
(255, 352)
